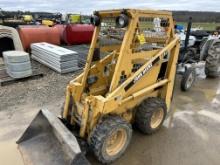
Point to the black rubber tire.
(185, 79)
(100, 134)
(144, 113)
(204, 48)
(212, 66)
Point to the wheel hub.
(115, 142)
(189, 81)
(157, 118)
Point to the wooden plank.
(3, 73)
(5, 79)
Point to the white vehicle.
(182, 37)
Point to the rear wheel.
(212, 66)
(150, 115)
(188, 79)
(110, 138)
(204, 48)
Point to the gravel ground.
(39, 92)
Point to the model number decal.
(140, 75)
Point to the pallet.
(5, 79)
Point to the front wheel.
(188, 79)
(110, 138)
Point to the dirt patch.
(40, 92)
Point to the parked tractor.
(196, 48)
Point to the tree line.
(179, 16)
(197, 16)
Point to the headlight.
(122, 21)
(164, 23)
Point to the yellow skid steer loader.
(128, 80)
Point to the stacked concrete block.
(55, 57)
(82, 51)
(17, 64)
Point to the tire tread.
(144, 112)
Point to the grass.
(205, 26)
(210, 26)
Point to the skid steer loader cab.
(131, 81)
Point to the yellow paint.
(27, 18)
(74, 18)
(107, 95)
(141, 39)
(47, 22)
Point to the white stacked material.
(82, 51)
(57, 58)
(17, 64)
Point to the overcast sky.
(87, 6)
